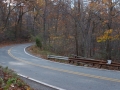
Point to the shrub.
(38, 43)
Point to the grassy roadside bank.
(43, 54)
(9, 80)
(39, 52)
(34, 50)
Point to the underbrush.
(43, 53)
(9, 80)
(39, 52)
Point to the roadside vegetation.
(35, 50)
(9, 80)
(42, 53)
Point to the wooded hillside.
(65, 26)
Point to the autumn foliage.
(65, 26)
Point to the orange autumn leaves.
(108, 36)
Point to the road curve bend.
(60, 75)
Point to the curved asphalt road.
(61, 75)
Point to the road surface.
(64, 76)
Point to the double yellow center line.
(62, 70)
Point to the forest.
(65, 27)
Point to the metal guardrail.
(57, 57)
(86, 58)
(66, 58)
(81, 57)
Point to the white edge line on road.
(67, 64)
(45, 84)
